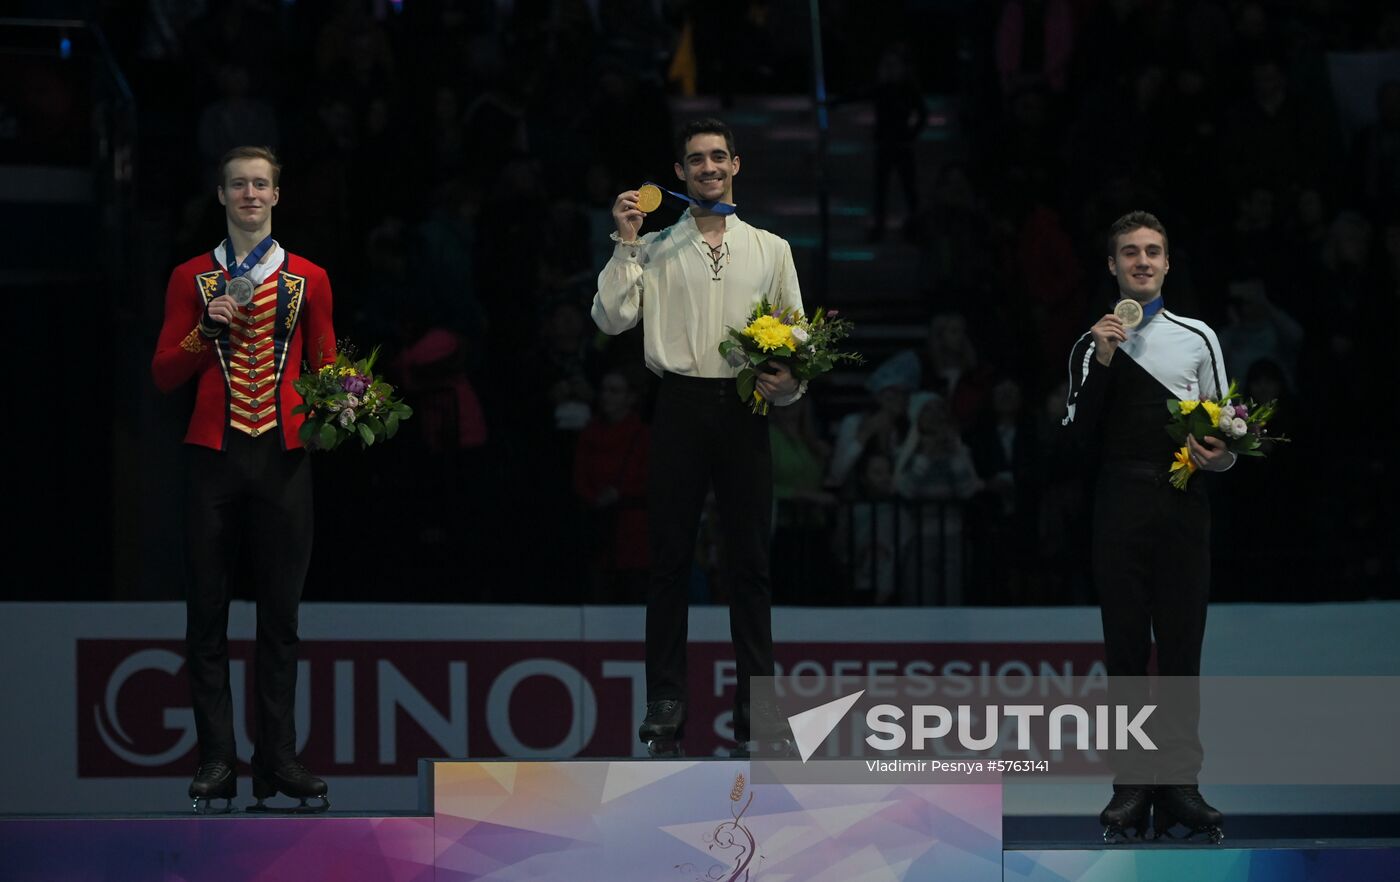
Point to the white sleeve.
(618, 304)
(788, 294)
(1215, 382)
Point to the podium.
(631, 820)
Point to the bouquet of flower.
(346, 400)
(1239, 422)
(807, 345)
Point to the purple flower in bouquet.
(1241, 411)
(355, 384)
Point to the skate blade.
(317, 805)
(1120, 835)
(664, 749)
(204, 805)
(1214, 835)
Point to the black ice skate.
(293, 780)
(761, 729)
(1184, 805)
(663, 728)
(214, 781)
(1127, 810)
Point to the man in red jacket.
(240, 321)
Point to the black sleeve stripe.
(1220, 387)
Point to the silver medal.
(241, 290)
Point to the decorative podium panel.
(224, 848)
(649, 821)
(1276, 861)
(702, 821)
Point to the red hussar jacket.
(245, 375)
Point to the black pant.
(891, 159)
(250, 519)
(703, 435)
(1151, 560)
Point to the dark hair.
(710, 126)
(1135, 220)
(250, 153)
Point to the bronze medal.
(1129, 312)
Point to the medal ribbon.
(257, 254)
(710, 205)
(1151, 309)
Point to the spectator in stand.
(933, 465)
(951, 368)
(1378, 151)
(1258, 331)
(610, 477)
(1035, 44)
(803, 506)
(866, 532)
(883, 428)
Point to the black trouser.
(1151, 560)
(250, 517)
(890, 159)
(703, 435)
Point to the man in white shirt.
(688, 284)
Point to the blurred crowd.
(452, 164)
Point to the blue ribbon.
(1151, 309)
(254, 256)
(707, 204)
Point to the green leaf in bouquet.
(757, 359)
(1177, 432)
(1199, 423)
(373, 422)
(302, 408)
(391, 424)
(328, 437)
(748, 378)
(403, 410)
(366, 434)
(1174, 406)
(304, 433)
(1258, 453)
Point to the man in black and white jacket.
(1150, 541)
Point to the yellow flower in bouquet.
(1240, 423)
(770, 333)
(1182, 467)
(807, 345)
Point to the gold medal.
(1129, 312)
(649, 198)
